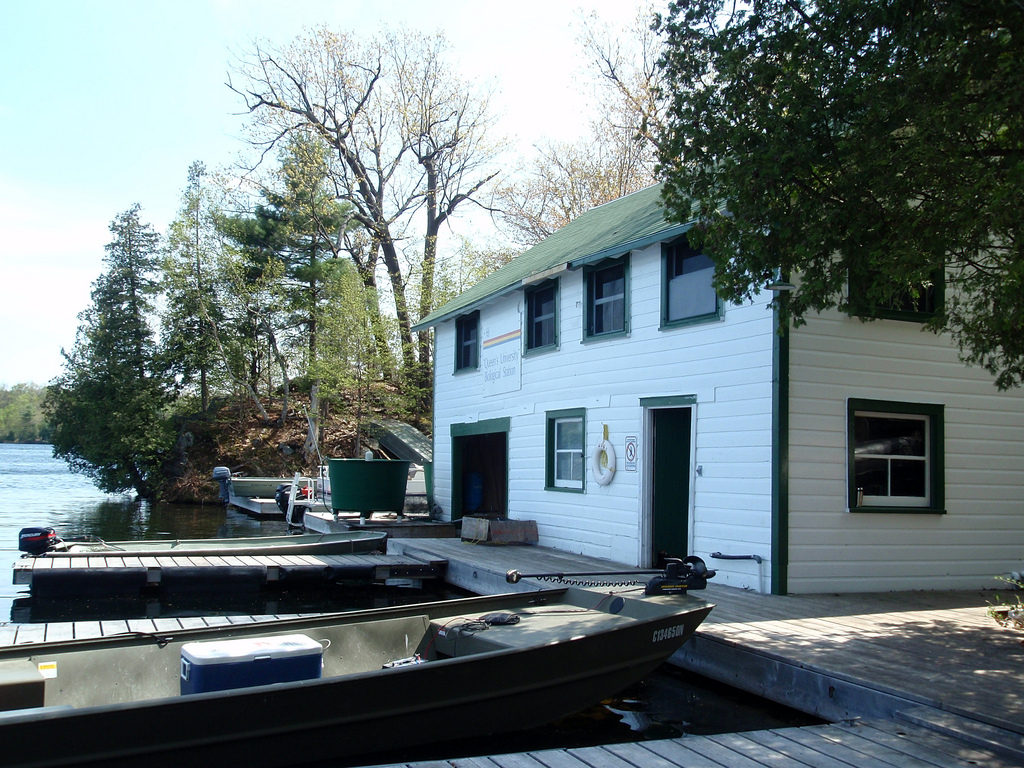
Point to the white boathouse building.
(840, 456)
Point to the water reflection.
(122, 519)
(38, 490)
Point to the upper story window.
(688, 292)
(542, 315)
(896, 456)
(914, 303)
(607, 298)
(467, 342)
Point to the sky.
(105, 103)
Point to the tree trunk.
(309, 449)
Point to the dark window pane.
(884, 436)
(607, 294)
(466, 347)
(873, 476)
(540, 318)
(908, 478)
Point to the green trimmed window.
(467, 342)
(916, 303)
(542, 316)
(896, 461)
(607, 298)
(688, 294)
(566, 431)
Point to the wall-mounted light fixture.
(778, 285)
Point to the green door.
(671, 482)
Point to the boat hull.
(504, 689)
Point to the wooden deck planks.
(223, 568)
(941, 648)
(860, 745)
(27, 634)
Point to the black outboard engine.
(281, 497)
(680, 576)
(36, 541)
(223, 476)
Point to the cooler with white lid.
(220, 665)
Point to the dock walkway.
(874, 744)
(925, 660)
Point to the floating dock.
(92, 576)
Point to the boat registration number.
(667, 633)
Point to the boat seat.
(535, 627)
(21, 685)
(449, 639)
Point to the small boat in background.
(44, 542)
(332, 686)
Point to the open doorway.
(670, 483)
(480, 469)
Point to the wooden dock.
(914, 661)
(874, 744)
(921, 679)
(120, 575)
(60, 631)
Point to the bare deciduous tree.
(618, 156)
(408, 143)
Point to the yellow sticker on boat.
(48, 669)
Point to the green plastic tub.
(362, 486)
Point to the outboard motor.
(680, 576)
(36, 541)
(281, 497)
(223, 476)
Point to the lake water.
(36, 489)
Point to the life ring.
(603, 474)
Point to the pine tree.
(108, 406)
(191, 311)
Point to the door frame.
(466, 429)
(650, 405)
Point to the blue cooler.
(221, 665)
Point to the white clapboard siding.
(834, 358)
(726, 365)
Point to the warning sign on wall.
(631, 451)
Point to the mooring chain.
(588, 582)
(678, 576)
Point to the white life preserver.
(603, 474)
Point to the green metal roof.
(634, 221)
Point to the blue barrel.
(473, 491)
